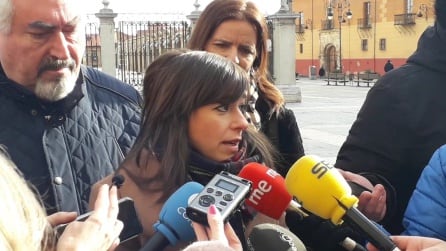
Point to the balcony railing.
(364, 23)
(327, 24)
(405, 19)
(300, 28)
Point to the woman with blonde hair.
(24, 225)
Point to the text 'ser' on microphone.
(267, 237)
(173, 225)
(269, 195)
(322, 190)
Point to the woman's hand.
(415, 243)
(61, 218)
(100, 231)
(217, 230)
(371, 204)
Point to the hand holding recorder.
(226, 191)
(218, 236)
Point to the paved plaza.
(325, 115)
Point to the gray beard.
(55, 90)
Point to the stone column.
(107, 38)
(194, 15)
(284, 53)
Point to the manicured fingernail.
(212, 209)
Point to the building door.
(330, 55)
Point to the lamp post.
(341, 6)
(312, 35)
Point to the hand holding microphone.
(322, 190)
(372, 199)
(270, 197)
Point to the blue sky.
(170, 6)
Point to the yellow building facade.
(353, 36)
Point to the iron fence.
(137, 44)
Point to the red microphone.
(269, 194)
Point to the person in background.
(321, 72)
(388, 66)
(237, 30)
(65, 125)
(398, 128)
(193, 128)
(24, 225)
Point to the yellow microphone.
(321, 189)
(314, 182)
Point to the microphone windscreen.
(267, 237)
(320, 188)
(268, 194)
(118, 180)
(173, 222)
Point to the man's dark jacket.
(64, 147)
(400, 125)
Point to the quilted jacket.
(426, 212)
(64, 147)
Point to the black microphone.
(321, 234)
(267, 237)
(118, 180)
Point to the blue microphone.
(173, 224)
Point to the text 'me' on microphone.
(269, 194)
(173, 225)
(321, 189)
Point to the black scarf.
(202, 170)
